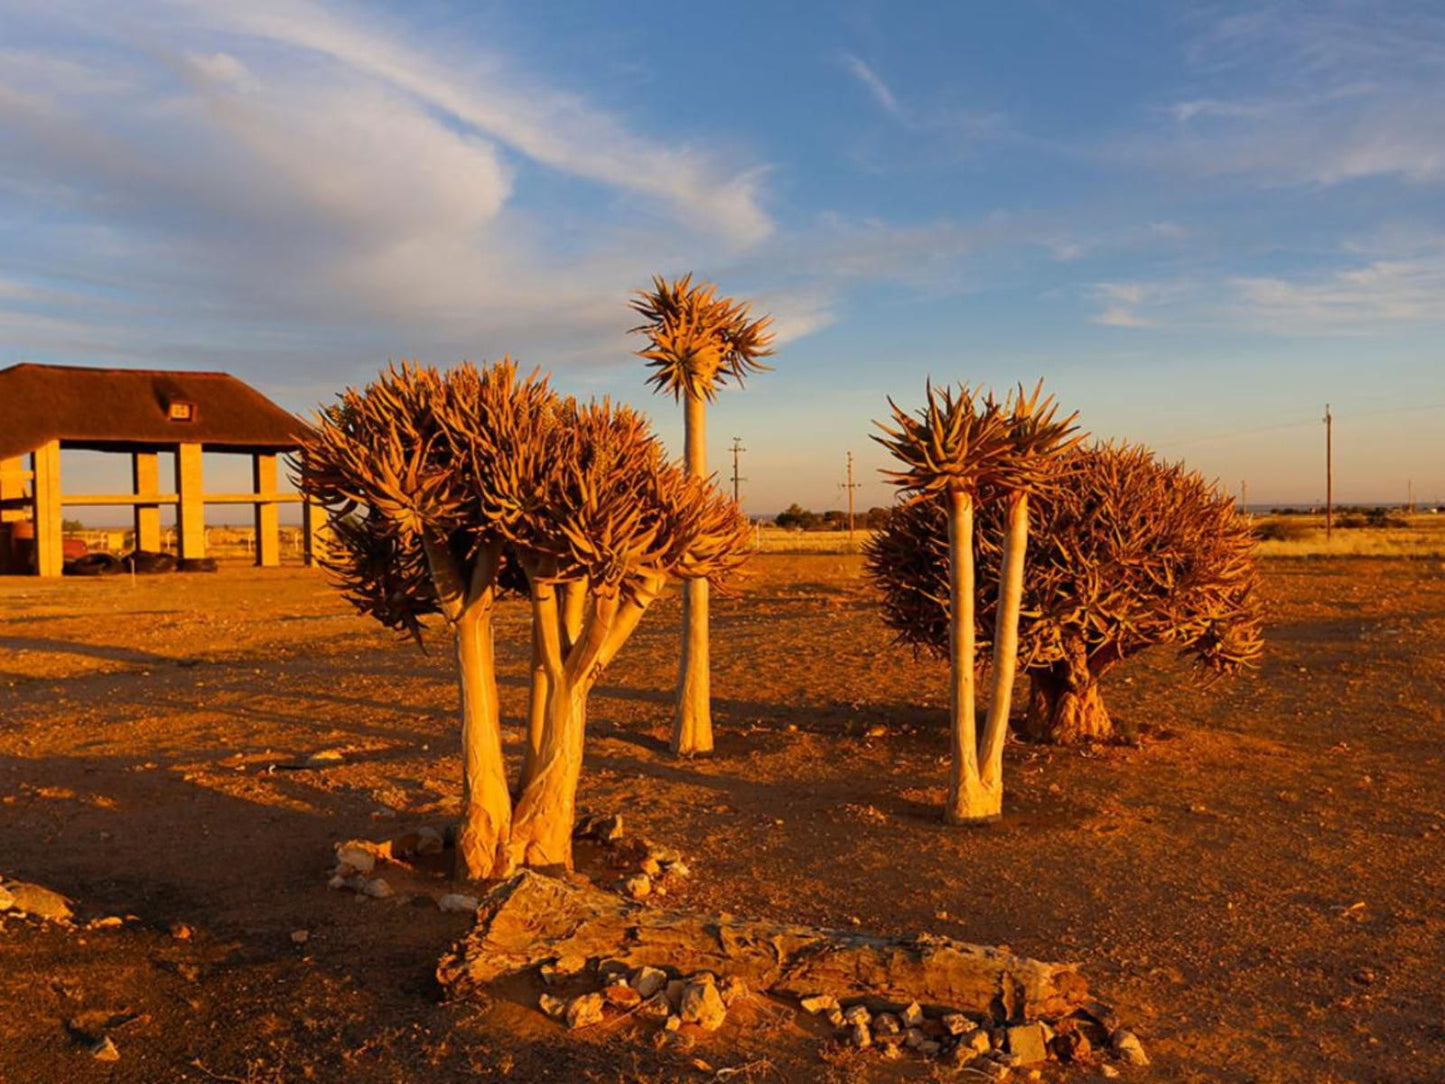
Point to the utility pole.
(1244, 497)
(736, 449)
(1329, 472)
(850, 486)
(1410, 494)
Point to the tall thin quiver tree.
(964, 445)
(696, 343)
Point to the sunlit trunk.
(542, 825)
(1066, 706)
(692, 721)
(1005, 650)
(966, 800)
(486, 802)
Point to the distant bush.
(1272, 530)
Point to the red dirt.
(1203, 880)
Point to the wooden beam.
(191, 510)
(13, 477)
(119, 500)
(145, 471)
(49, 544)
(251, 498)
(268, 522)
(314, 521)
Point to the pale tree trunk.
(966, 802)
(1066, 704)
(1005, 652)
(692, 721)
(572, 606)
(542, 823)
(467, 602)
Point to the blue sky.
(1198, 223)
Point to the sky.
(1197, 223)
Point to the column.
(145, 473)
(313, 531)
(49, 545)
(267, 518)
(12, 488)
(191, 509)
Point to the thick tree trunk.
(1005, 649)
(531, 919)
(692, 721)
(536, 717)
(542, 823)
(486, 802)
(1065, 709)
(968, 801)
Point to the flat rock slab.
(37, 900)
(531, 919)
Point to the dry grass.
(781, 540)
(1424, 537)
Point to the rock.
(674, 989)
(732, 990)
(638, 886)
(604, 829)
(300, 937)
(678, 869)
(892, 1051)
(108, 922)
(835, 1017)
(651, 866)
(929, 1048)
(703, 1006)
(657, 1006)
(913, 1038)
(377, 888)
(1104, 1014)
(667, 856)
(1071, 1046)
(955, 1023)
(429, 841)
(912, 1016)
(816, 1003)
(355, 856)
(584, 1011)
(563, 967)
(6, 899)
(323, 758)
(885, 1024)
(1108, 1071)
(994, 1070)
(38, 901)
(673, 1023)
(1028, 1043)
(553, 1006)
(622, 996)
(649, 980)
(403, 846)
(860, 1036)
(857, 1014)
(458, 902)
(961, 1054)
(104, 1050)
(977, 1040)
(1128, 1047)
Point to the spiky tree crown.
(698, 341)
(1125, 552)
(964, 440)
(474, 457)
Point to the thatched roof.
(131, 410)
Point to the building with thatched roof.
(139, 412)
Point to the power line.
(737, 449)
(850, 486)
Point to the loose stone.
(703, 1006)
(458, 902)
(585, 1011)
(648, 980)
(816, 1003)
(1128, 1047)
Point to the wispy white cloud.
(872, 82)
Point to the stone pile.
(22, 899)
(957, 1039)
(680, 1004)
(660, 869)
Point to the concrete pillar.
(49, 544)
(313, 531)
(12, 488)
(268, 519)
(145, 472)
(191, 509)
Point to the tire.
(196, 564)
(94, 564)
(146, 562)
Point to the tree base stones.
(23, 899)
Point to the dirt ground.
(1259, 886)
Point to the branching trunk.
(967, 800)
(692, 720)
(532, 919)
(1066, 707)
(1005, 651)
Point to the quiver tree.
(1129, 552)
(604, 522)
(417, 532)
(696, 343)
(960, 445)
(449, 488)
